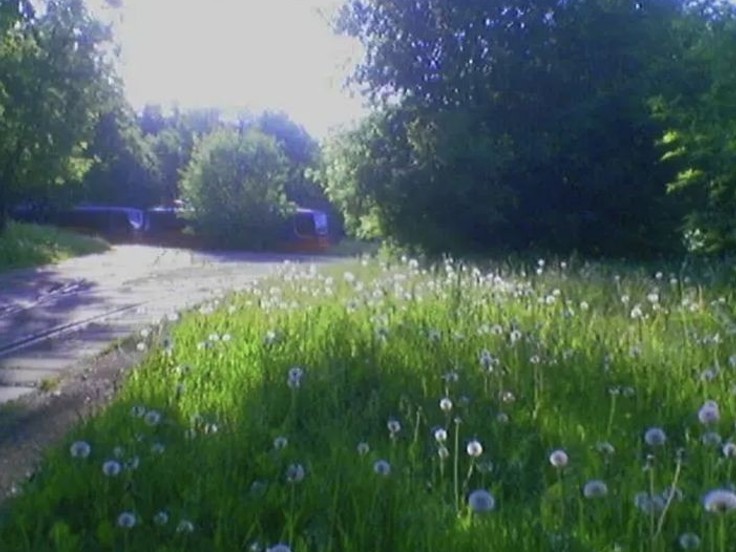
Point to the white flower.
(280, 442)
(161, 518)
(709, 413)
(595, 488)
(295, 473)
(294, 380)
(655, 437)
(689, 541)
(157, 448)
(393, 426)
(440, 435)
(80, 449)
(279, 548)
(443, 453)
(711, 439)
(152, 418)
(185, 526)
(729, 450)
(138, 411)
(126, 520)
(474, 448)
(381, 467)
(363, 449)
(502, 418)
(481, 501)
(111, 468)
(558, 458)
(446, 404)
(605, 448)
(719, 501)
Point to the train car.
(307, 231)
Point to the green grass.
(27, 245)
(217, 452)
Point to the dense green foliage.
(517, 124)
(337, 412)
(235, 186)
(54, 82)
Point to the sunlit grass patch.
(25, 245)
(388, 407)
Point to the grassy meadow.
(387, 407)
(26, 245)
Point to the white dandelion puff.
(595, 488)
(481, 501)
(689, 541)
(185, 526)
(138, 411)
(157, 448)
(295, 473)
(394, 426)
(709, 413)
(280, 442)
(719, 501)
(161, 518)
(655, 437)
(446, 404)
(382, 467)
(474, 448)
(440, 435)
(729, 450)
(363, 448)
(111, 468)
(279, 548)
(80, 449)
(558, 459)
(152, 418)
(126, 520)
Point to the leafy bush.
(235, 186)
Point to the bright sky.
(255, 54)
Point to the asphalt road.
(54, 316)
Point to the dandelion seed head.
(152, 418)
(279, 548)
(394, 426)
(558, 459)
(709, 413)
(446, 404)
(711, 439)
(382, 467)
(474, 448)
(363, 448)
(111, 468)
(443, 452)
(719, 501)
(161, 518)
(280, 442)
(126, 520)
(185, 526)
(595, 488)
(655, 437)
(80, 449)
(138, 411)
(481, 501)
(295, 473)
(440, 435)
(689, 541)
(729, 450)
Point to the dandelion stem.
(670, 498)
(456, 466)
(611, 415)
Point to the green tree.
(519, 123)
(55, 79)
(235, 183)
(700, 140)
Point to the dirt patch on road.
(43, 418)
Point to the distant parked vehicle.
(111, 221)
(307, 231)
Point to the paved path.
(53, 317)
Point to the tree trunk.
(3, 208)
